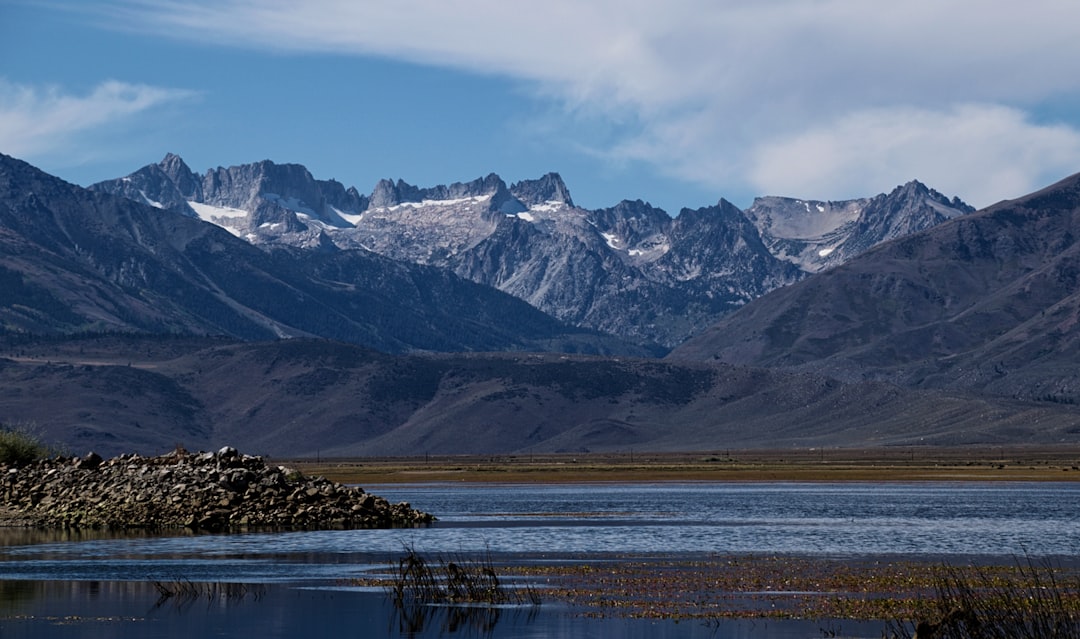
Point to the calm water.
(951, 521)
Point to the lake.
(85, 584)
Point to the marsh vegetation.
(912, 600)
(1034, 601)
(419, 580)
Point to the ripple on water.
(813, 519)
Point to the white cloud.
(993, 152)
(37, 120)
(720, 87)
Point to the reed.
(975, 603)
(417, 580)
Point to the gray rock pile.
(222, 491)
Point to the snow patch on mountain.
(214, 214)
(290, 203)
(476, 199)
(351, 218)
(153, 203)
(550, 206)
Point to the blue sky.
(678, 103)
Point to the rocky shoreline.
(213, 492)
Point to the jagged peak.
(915, 184)
(488, 185)
(268, 169)
(265, 167)
(172, 161)
(915, 189)
(188, 184)
(634, 205)
(389, 193)
(724, 204)
(911, 189)
(549, 188)
(382, 194)
(630, 209)
(723, 208)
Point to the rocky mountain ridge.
(986, 302)
(74, 260)
(820, 235)
(631, 270)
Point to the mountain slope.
(76, 260)
(630, 270)
(988, 301)
(306, 397)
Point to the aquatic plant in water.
(454, 581)
(1032, 602)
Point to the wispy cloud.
(36, 120)
(735, 91)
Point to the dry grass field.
(893, 464)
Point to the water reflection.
(183, 594)
(59, 610)
(472, 621)
(14, 593)
(10, 537)
(136, 610)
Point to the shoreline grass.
(903, 595)
(907, 464)
(1034, 601)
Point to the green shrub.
(19, 446)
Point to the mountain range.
(630, 270)
(74, 260)
(128, 326)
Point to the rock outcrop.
(222, 491)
